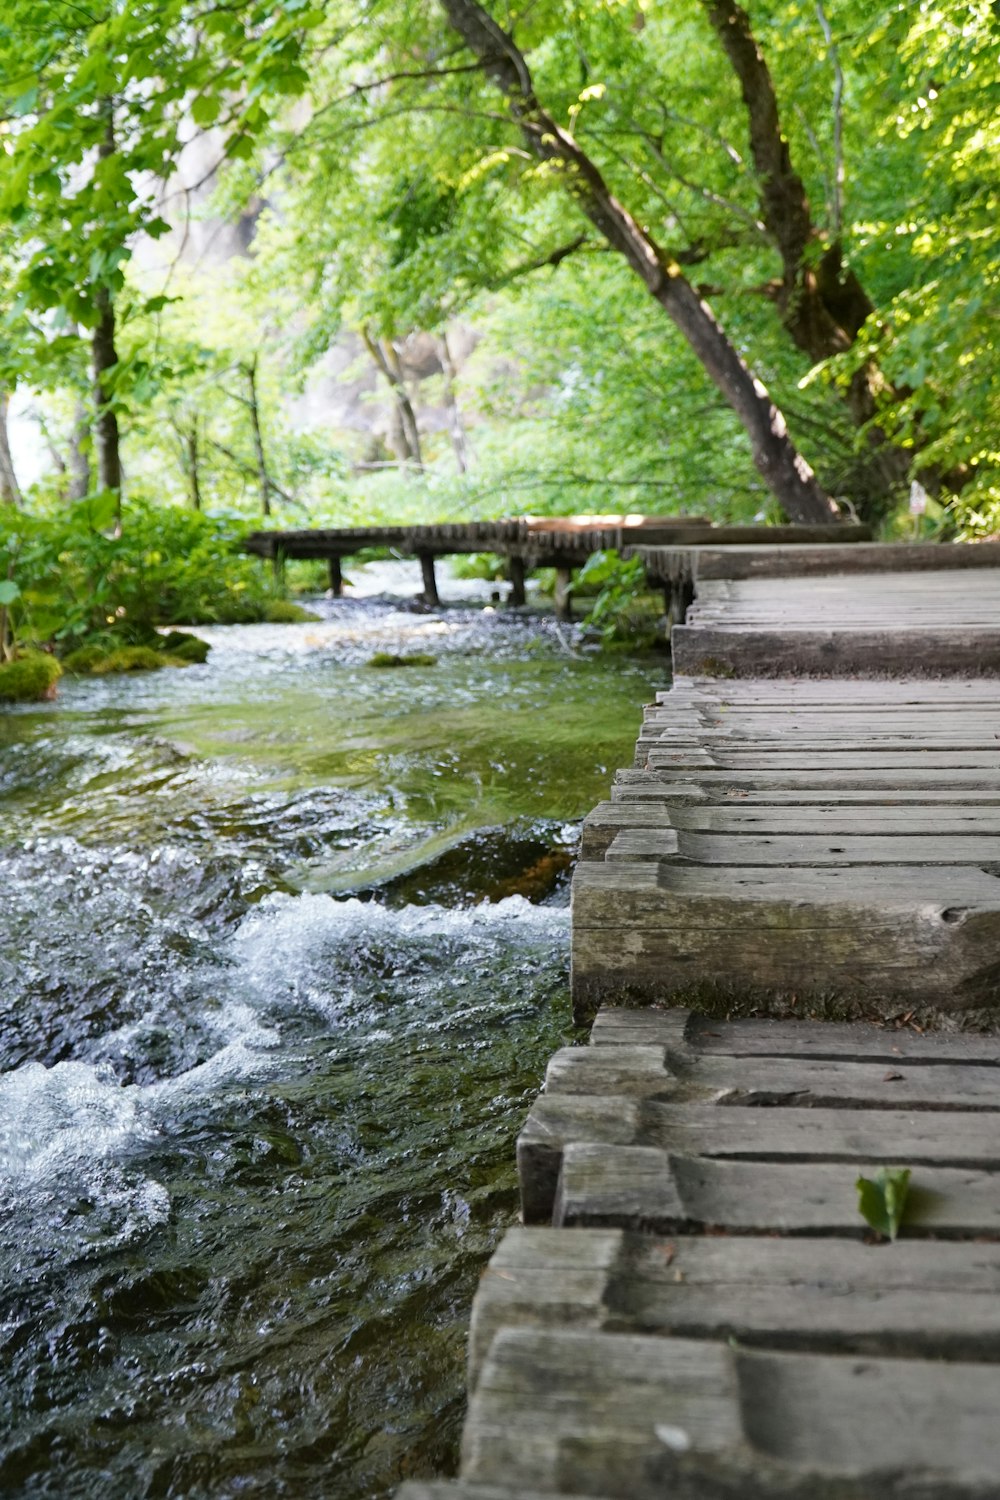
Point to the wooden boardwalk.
(693, 1307)
(528, 542)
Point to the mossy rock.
(284, 612)
(132, 659)
(189, 648)
(29, 679)
(387, 659)
(84, 660)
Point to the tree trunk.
(106, 436)
(822, 304)
(193, 465)
(263, 478)
(456, 427)
(10, 492)
(782, 467)
(386, 356)
(104, 361)
(79, 463)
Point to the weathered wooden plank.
(879, 938)
(918, 818)
(640, 1187)
(763, 653)
(932, 1299)
(760, 560)
(806, 1082)
(647, 787)
(818, 760)
(642, 1417)
(608, 818)
(740, 1133)
(805, 898)
(654, 1026)
(462, 1489)
(787, 850)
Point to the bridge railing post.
(564, 594)
(516, 574)
(429, 579)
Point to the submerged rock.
(284, 612)
(489, 865)
(389, 659)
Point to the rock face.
(345, 393)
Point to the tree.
(98, 106)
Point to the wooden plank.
(804, 898)
(608, 818)
(642, 1188)
(956, 822)
(788, 850)
(462, 1489)
(771, 653)
(647, 787)
(653, 1026)
(739, 1133)
(932, 1299)
(641, 1417)
(758, 560)
(682, 1075)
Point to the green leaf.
(881, 1202)
(9, 591)
(205, 109)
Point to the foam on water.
(51, 1118)
(289, 951)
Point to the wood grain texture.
(645, 1417)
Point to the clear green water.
(256, 1127)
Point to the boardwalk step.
(833, 1296)
(640, 1418)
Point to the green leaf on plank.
(881, 1202)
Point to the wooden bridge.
(693, 1306)
(528, 542)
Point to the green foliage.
(400, 200)
(415, 659)
(29, 679)
(881, 1201)
(168, 566)
(623, 611)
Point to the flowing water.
(283, 953)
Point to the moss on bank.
(30, 678)
(177, 649)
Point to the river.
(283, 954)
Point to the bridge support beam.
(515, 572)
(564, 594)
(336, 578)
(430, 581)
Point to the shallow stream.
(283, 953)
